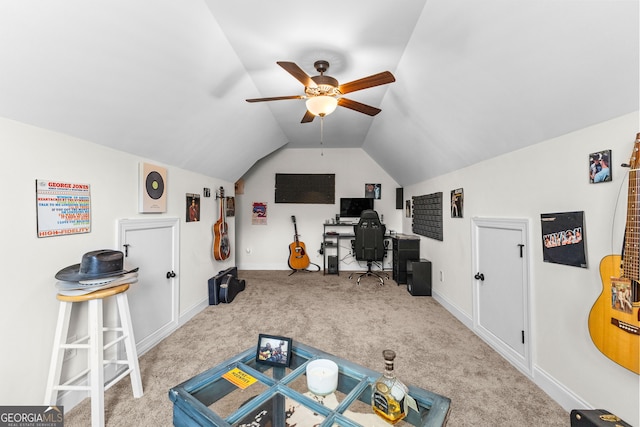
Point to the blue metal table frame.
(192, 399)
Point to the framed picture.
(599, 169)
(193, 207)
(273, 350)
(259, 213)
(373, 191)
(563, 238)
(457, 202)
(231, 206)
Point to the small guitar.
(614, 320)
(221, 245)
(298, 258)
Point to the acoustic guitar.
(221, 245)
(614, 320)
(298, 258)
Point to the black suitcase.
(216, 281)
(595, 418)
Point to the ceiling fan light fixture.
(322, 105)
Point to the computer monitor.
(352, 207)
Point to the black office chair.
(369, 244)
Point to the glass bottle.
(388, 395)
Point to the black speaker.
(399, 198)
(419, 277)
(333, 264)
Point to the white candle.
(322, 376)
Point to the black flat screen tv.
(352, 207)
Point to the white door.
(501, 314)
(152, 246)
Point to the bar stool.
(94, 343)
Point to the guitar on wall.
(221, 244)
(298, 258)
(614, 320)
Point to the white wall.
(549, 177)
(269, 244)
(28, 307)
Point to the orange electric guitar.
(614, 320)
(298, 258)
(221, 245)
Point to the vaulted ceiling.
(167, 80)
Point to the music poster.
(62, 208)
(259, 214)
(563, 238)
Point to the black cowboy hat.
(94, 265)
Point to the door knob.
(170, 274)
(479, 276)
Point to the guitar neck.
(631, 258)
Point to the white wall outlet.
(441, 276)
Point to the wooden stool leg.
(130, 344)
(57, 355)
(96, 362)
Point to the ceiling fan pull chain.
(321, 135)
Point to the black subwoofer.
(419, 277)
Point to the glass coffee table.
(259, 395)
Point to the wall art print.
(373, 191)
(563, 238)
(599, 167)
(457, 202)
(152, 191)
(259, 213)
(193, 207)
(62, 208)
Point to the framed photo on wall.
(600, 167)
(373, 191)
(193, 207)
(457, 199)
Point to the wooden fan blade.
(275, 98)
(297, 72)
(308, 117)
(358, 106)
(375, 80)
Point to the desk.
(331, 242)
(279, 396)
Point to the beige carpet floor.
(434, 350)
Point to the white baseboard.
(454, 310)
(193, 311)
(555, 389)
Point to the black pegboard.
(305, 188)
(427, 215)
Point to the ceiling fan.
(324, 93)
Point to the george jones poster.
(563, 239)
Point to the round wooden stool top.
(103, 293)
